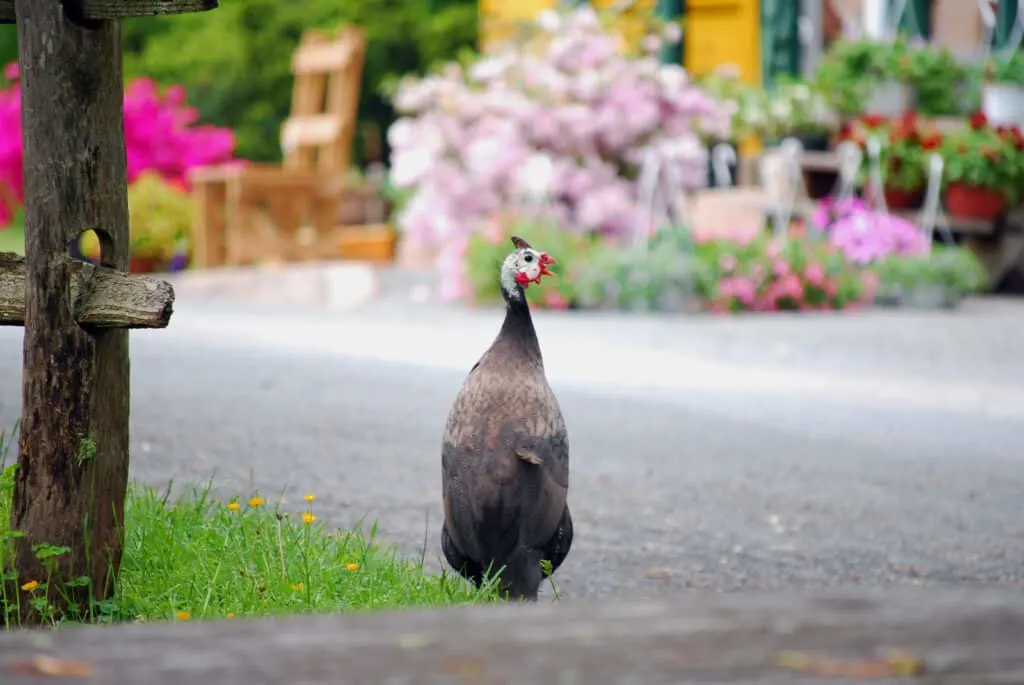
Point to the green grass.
(196, 557)
(12, 237)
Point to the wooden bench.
(949, 635)
(263, 212)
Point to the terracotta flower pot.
(896, 198)
(139, 264)
(974, 202)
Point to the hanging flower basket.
(974, 202)
(890, 98)
(1003, 103)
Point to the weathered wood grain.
(956, 635)
(103, 298)
(72, 471)
(119, 9)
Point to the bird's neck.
(517, 330)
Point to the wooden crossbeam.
(948, 635)
(99, 10)
(104, 298)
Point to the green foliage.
(954, 270)
(236, 60)
(937, 78)
(1009, 70)
(12, 236)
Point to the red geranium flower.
(873, 120)
(978, 120)
(931, 142)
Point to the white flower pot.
(1003, 103)
(890, 98)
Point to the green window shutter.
(672, 10)
(916, 19)
(1006, 16)
(780, 39)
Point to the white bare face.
(522, 267)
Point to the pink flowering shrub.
(683, 271)
(678, 271)
(867, 236)
(799, 274)
(563, 111)
(161, 135)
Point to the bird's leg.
(466, 567)
(528, 455)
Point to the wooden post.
(73, 451)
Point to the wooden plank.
(322, 57)
(96, 10)
(73, 452)
(102, 297)
(957, 636)
(310, 130)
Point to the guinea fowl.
(505, 454)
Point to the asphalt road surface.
(713, 454)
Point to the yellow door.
(720, 32)
(498, 18)
(631, 23)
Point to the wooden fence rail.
(928, 635)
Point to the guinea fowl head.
(523, 266)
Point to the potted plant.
(984, 169)
(940, 279)
(796, 109)
(1002, 95)
(867, 75)
(906, 147)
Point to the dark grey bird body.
(505, 463)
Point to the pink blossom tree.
(563, 111)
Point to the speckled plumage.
(505, 459)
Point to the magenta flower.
(160, 134)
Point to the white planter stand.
(1003, 103)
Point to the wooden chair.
(288, 212)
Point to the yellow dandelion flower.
(298, 587)
(30, 585)
(308, 517)
(256, 502)
(230, 615)
(310, 498)
(234, 506)
(183, 616)
(352, 566)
